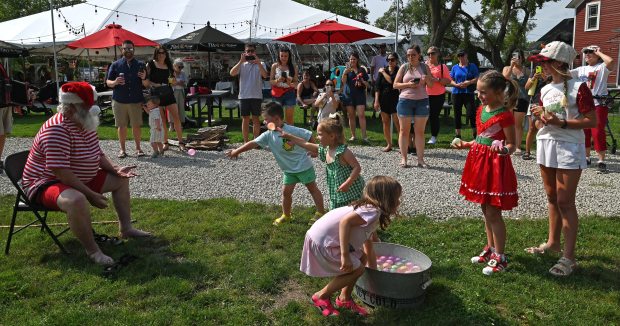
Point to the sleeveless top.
(158, 75)
(521, 81)
(306, 92)
(278, 74)
(336, 175)
(410, 74)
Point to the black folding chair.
(14, 166)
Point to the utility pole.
(54, 46)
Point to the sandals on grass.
(564, 267)
(324, 306)
(542, 249)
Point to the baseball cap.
(556, 50)
(460, 52)
(591, 48)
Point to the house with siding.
(598, 22)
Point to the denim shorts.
(287, 99)
(412, 108)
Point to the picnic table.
(211, 101)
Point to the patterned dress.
(489, 178)
(337, 174)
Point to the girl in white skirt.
(566, 108)
(338, 243)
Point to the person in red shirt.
(67, 170)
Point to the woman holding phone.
(355, 80)
(283, 78)
(412, 79)
(519, 73)
(386, 98)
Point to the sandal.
(324, 306)
(122, 262)
(526, 156)
(564, 267)
(315, 217)
(105, 239)
(182, 147)
(386, 149)
(282, 219)
(541, 249)
(403, 165)
(422, 165)
(351, 305)
(140, 153)
(166, 146)
(122, 154)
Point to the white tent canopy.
(162, 20)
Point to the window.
(593, 14)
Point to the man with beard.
(125, 78)
(67, 170)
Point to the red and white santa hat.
(78, 93)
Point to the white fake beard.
(88, 120)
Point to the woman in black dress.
(386, 98)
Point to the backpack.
(5, 88)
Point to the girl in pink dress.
(337, 244)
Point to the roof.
(574, 3)
(563, 31)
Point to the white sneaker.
(432, 140)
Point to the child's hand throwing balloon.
(231, 154)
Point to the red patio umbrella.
(328, 31)
(113, 35)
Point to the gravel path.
(255, 177)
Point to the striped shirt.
(61, 144)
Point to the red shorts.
(48, 196)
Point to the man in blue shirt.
(125, 78)
(464, 78)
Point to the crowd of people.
(67, 170)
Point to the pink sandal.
(325, 306)
(351, 305)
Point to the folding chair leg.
(11, 228)
(49, 231)
(45, 219)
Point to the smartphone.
(250, 58)
(538, 69)
(515, 55)
(416, 80)
(283, 74)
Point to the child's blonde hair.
(382, 192)
(333, 126)
(494, 80)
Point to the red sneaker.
(497, 263)
(351, 305)
(484, 256)
(324, 306)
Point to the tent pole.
(329, 51)
(209, 70)
(396, 34)
(54, 45)
(90, 72)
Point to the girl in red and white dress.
(488, 176)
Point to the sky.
(547, 17)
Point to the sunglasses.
(127, 49)
(588, 51)
(181, 66)
(431, 53)
(392, 59)
(250, 51)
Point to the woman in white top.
(327, 102)
(283, 84)
(179, 88)
(566, 109)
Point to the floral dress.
(337, 174)
(489, 178)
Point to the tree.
(11, 9)
(500, 28)
(348, 8)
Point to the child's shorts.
(304, 177)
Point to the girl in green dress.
(343, 170)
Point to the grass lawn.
(29, 125)
(220, 262)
